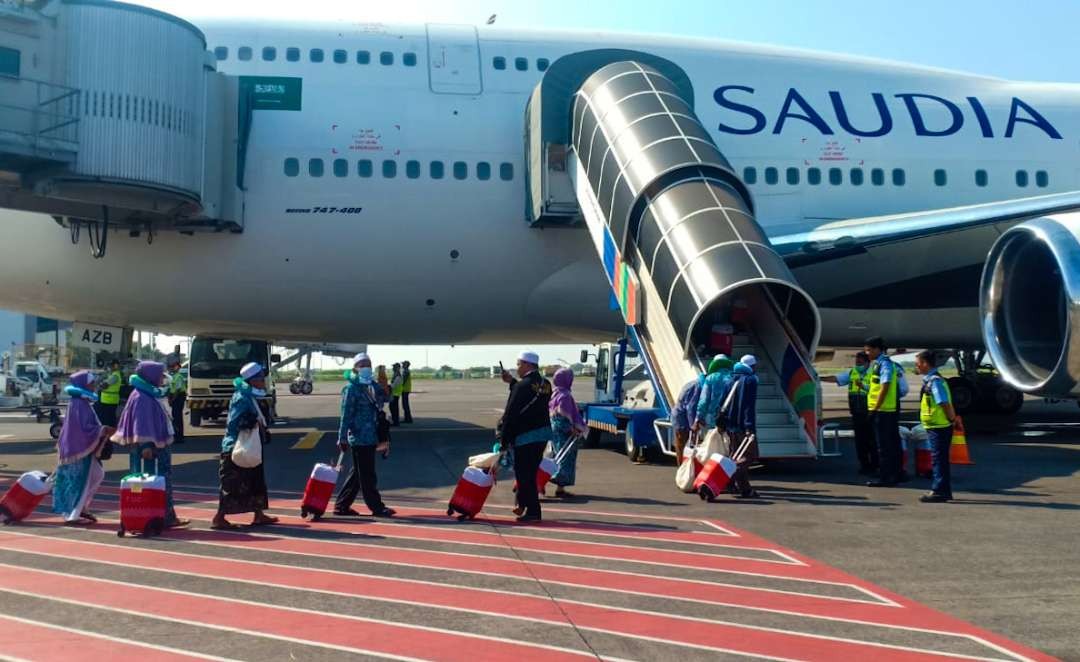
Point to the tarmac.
(820, 568)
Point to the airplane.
(316, 182)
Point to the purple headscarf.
(144, 419)
(562, 401)
(82, 430)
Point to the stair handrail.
(810, 419)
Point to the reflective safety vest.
(178, 384)
(857, 392)
(110, 395)
(406, 386)
(395, 387)
(931, 414)
(890, 403)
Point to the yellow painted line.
(308, 441)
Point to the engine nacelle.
(1030, 305)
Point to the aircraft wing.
(920, 260)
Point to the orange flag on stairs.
(958, 451)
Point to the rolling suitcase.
(142, 504)
(24, 496)
(471, 492)
(319, 489)
(715, 476)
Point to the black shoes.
(349, 512)
(385, 512)
(934, 498)
(752, 494)
(882, 483)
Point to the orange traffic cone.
(958, 451)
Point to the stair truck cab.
(213, 365)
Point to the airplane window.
(749, 176)
(389, 169)
(409, 59)
(940, 178)
(315, 167)
(316, 55)
(836, 176)
(269, 53)
(877, 177)
(981, 178)
(856, 176)
(412, 169)
(341, 168)
(813, 176)
(483, 171)
(793, 176)
(1021, 178)
(340, 56)
(521, 64)
(542, 64)
(499, 63)
(386, 58)
(243, 53)
(292, 167)
(364, 168)
(221, 53)
(899, 177)
(771, 176)
(461, 170)
(1042, 179)
(438, 169)
(363, 57)
(292, 54)
(506, 172)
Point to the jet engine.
(1030, 305)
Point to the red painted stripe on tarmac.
(722, 636)
(41, 642)
(308, 627)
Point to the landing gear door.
(454, 59)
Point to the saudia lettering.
(796, 108)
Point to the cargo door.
(454, 59)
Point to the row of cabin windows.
(857, 177)
(339, 56)
(520, 63)
(366, 168)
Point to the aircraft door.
(454, 59)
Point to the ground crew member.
(858, 385)
(526, 429)
(883, 406)
(109, 401)
(936, 413)
(177, 396)
(406, 389)
(395, 396)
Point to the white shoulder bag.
(247, 452)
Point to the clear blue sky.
(1020, 40)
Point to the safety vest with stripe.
(890, 403)
(110, 395)
(856, 392)
(931, 414)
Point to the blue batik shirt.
(360, 404)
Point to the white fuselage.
(387, 275)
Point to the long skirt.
(75, 486)
(562, 434)
(242, 490)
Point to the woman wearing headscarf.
(566, 425)
(384, 382)
(243, 490)
(79, 472)
(145, 427)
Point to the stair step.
(773, 418)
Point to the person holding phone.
(362, 402)
(526, 428)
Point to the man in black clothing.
(526, 428)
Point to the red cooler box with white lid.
(319, 489)
(722, 339)
(471, 492)
(142, 504)
(24, 496)
(715, 476)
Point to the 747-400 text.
(324, 210)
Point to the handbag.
(247, 452)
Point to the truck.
(214, 363)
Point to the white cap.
(251, 370)
(362, 356)
(748, 360)
(529, 357)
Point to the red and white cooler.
(722, 339)
(24, 496)
(471, 492)
(320, 487)
(548, 468)
(714, 477)
(142, 504)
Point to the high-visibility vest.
(406, 386)
(890, 403)
(110, 395)
(178, 384)
(931, 414)
(396, 387)
(856, 384)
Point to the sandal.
(265, 520)
(224, 526)
(89, 517)
(178, 524)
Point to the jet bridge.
(675, 231)
(113, 115)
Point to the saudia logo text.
(795, 108)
